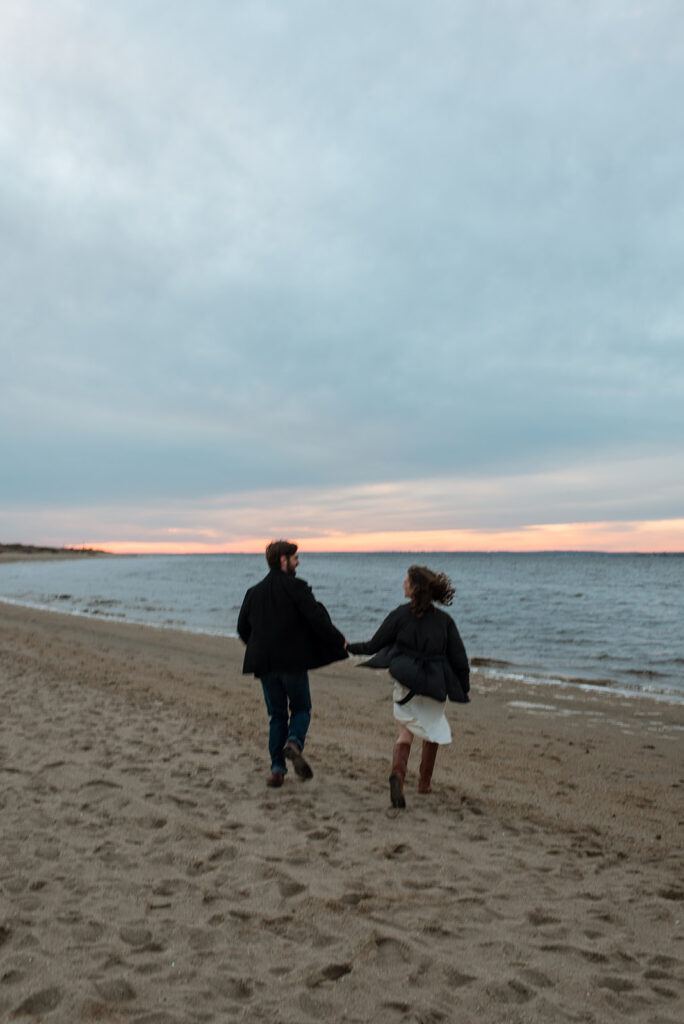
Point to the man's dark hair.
(276, 549)
(428, 586)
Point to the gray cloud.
(250, 247)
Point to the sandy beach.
(147, 874)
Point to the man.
(287, 632)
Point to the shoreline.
(585, 636)
(480, 667)
(147, 873)
(78, 643)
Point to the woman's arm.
(456, 653)
(384, 636)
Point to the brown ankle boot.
(427, 764)
(399, 762)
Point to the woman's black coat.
(424, 654)
(285, 628)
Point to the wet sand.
(148, 875)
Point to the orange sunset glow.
(638, 537)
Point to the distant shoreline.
(34, 552)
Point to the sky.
(377, 275)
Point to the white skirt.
(424, 717)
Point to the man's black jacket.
(285, 628)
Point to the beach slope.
(148, 875)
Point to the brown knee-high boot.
(427, 764)
(399, 762)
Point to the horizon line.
(392, 551)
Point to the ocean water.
(614, 621)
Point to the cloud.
(432, 512)
(250, 247)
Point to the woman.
(421, 647)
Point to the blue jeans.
(281, 689)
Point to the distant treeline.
(34, 549)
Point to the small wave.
(584, 681)
(661, 693)
(531, 705)
(645, 673)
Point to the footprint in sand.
(151, 821)
(135, 935)
(615, 983)
(663, 961)
(224, 853)
(455, 979)
(170, 886)
(241, 989)
(539, 917)
(388, 951)
(201, 940)
(156, 1017)
(436, 930)
(48, 851)
(512, 991)
(116, 990)
(332, 972)
(352, 899)
(88, 932)
(592, 956)
(44, 1001)
(396, 851)
(535, 978)
(288, 887)
(326, 833)
(675, 894)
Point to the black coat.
(285, 628)
(424, 654)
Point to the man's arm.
(244, 626)
(315, 613)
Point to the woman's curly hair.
(428, 586)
